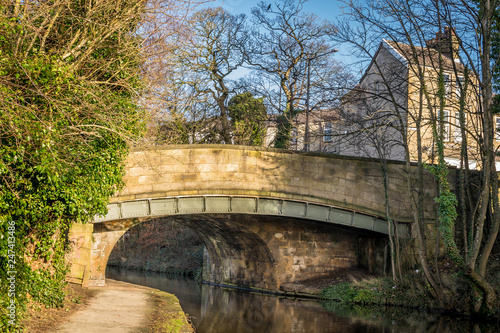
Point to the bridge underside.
(256, 251)
(267, 251)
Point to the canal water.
(214, 309)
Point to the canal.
(214, 309)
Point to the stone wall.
(104, 238)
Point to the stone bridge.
(267, 217)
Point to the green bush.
(365, 296)
(64, 125)
(342, 292)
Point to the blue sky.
(325, 9)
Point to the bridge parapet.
(339, 182)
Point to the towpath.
(123, 307)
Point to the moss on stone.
(167, 314)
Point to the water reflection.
(220, 310)
(226, 310)
(187, 291)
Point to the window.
(497, 128)
(447, 84)
(457, 133)
(294, 137)
(446, 125)
(327, 132)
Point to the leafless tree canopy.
(435, 103)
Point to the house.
(398, 100)
(323, 133)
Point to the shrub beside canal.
(376, 291)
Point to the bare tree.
(165, 30)
(439, 118)
(285, 36)
(205, 60)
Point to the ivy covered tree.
(248, 115)
(495, 48)
(69, 77)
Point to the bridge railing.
(228, 204)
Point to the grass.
(376, 291)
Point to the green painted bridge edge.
(224, 204)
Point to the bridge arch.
(344, 182)
(246, 236)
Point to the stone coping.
(263, 149)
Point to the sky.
(325, 9)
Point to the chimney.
(447, 43)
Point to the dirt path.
(122, 307)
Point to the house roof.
(409, 54)
(422, 56)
